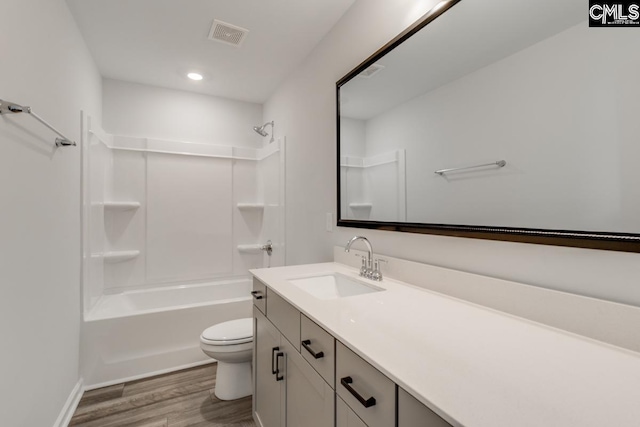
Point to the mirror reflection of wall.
(374, 186)
(556, 99)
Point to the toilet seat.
(233, 332)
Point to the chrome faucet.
(366, 270)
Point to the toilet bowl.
(231, 344)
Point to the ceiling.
(455, 45)
(157, 42)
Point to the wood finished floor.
(179, 399)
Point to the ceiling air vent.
(227, 33)
(371, 71)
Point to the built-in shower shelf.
(250, 249)
(360, 205)
(121, 206)
(251, 206)
(120, 256)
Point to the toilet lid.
(232, 332)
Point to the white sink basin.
(336, 285)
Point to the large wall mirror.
(509, 120)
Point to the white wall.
(304, 109)
(537, 132)
(143, 111)
(45, 65)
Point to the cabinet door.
(412, 413)
(267, 396)
(309, 399)
(345, 417)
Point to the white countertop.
(474, 366)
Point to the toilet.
(231, 344)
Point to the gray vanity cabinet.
(304, 377)
(309, 399)
(268, 397)
(285, 317)
(259, 293)
(412, 413)
(288, 392)
(318, 348)
(368, 392)
(345, 417)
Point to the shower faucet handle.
(268, 248)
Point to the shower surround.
(171, 229)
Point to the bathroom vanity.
(334, 349)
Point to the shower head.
(260, 130)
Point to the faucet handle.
(268, 248)
(377, 273)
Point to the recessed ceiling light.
(195, 76)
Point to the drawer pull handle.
(278, 376)
(256, 294)
(367, 403)
(273, 355)
(306, 344)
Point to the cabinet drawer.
(318, 348)
(370, 394)
(412, 413)
(345, 417)
(285, 317)
(259, 293)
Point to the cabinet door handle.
(346, 383)
(306, 344)
(273, 356)
(278, 376)
(256, 294)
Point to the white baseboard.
(70, 405)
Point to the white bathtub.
(140, 333)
